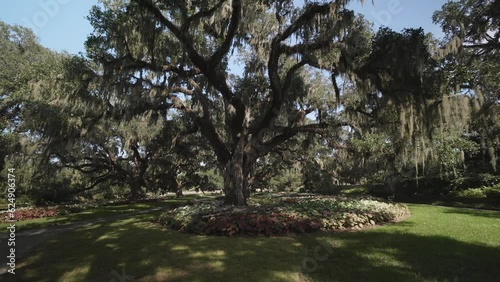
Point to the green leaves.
(282, 215)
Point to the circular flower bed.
(282, 215)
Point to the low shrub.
(474, 193)
(22, 214)
(492, 192)
(27, 214)
(276, 216)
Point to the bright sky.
(400, 14)
(62, 24)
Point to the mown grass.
(435, 244)
(93, 213)
(482, 202)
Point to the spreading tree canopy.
(176, 55)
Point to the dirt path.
(27, 240)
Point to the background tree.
(118, 142)
(29, 115)
(406, 112)
(66, 137)
(475, 67)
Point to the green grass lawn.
(435, 244)
(103, 211)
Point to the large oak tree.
(179, 52)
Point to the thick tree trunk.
(236, 172)
(235, 184)
(178, 192)
(136, 190)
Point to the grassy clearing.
(479, 201)
(153, 253)
(435, 244)
(94, 213)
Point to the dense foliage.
(322, 101)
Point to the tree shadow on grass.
(382, 256)
(472, 203)
(136, 248)
(478, 213)
(101, 212)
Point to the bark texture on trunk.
(235, 184)
(136, 191)
(236, 177)
(178, 192)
